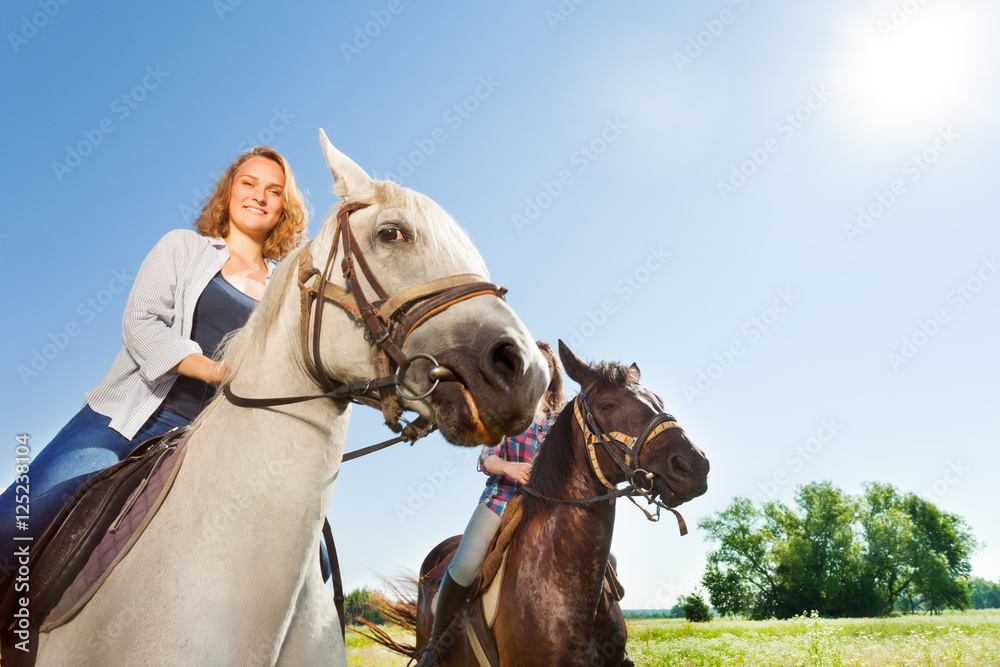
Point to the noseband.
(624, 450)
(388, 321)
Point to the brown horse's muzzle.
(683, 473)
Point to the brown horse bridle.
(629, 448)
(389, 320)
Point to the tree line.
(984, 593)
(838, 554)
(834, 553)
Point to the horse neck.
(581, 533)
(304, 440)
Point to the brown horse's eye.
(391, 235)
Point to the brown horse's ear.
(633, 373)
(578, 371)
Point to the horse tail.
(400, 614)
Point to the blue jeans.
(84, 447)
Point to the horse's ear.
(633, 373)
(348, 178)
(578, 371)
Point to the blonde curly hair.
(286, 235)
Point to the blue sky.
(783, 212)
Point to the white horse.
(227, 573)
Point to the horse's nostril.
(505, 362)
(679, 466)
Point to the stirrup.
(425, 652)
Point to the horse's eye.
(391, 234)
(607, 407)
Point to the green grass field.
(970, 638)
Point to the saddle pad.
(117, 542)
(491, 598)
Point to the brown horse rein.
(640, 481)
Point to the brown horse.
(554, 605)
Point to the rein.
(640, 480)
(389, 320)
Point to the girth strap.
(335, 579)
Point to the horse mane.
(557, 458)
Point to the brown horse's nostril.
(679, 466)
(502, 364)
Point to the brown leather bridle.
(389, 320)
(640, 481)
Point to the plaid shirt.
(522, 449)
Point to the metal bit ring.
(437, 373)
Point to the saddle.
(90, 535)
(482, 600)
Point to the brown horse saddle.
(91, 534)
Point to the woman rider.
(191, 290)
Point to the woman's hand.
(495, 465)
(201, 367)
(519, 471)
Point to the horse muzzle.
(685, 478)
(485, 392)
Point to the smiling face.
(255, 199)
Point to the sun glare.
(912, 70)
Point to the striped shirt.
(156, 327)
(521, 449)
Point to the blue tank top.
(221, 308)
